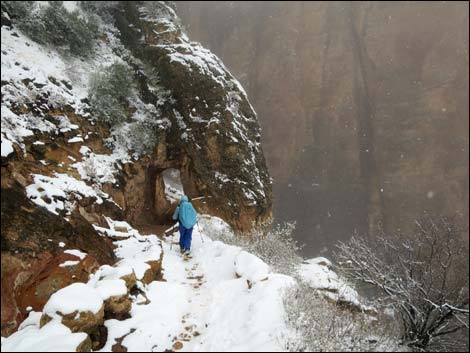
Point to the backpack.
(187, 215)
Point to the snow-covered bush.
(318, 325)
(17, 9)
(115, 100)
(138, 136)
(53, 24)
(101, 8)
(276, 246)
(109, 88)
(160, 9)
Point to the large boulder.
(317, 273)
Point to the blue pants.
(185, 237)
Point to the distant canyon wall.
(364, 105)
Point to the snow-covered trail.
(187, 273)
(166, 319)
(203, 304)
(220, 299)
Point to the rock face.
(31, 254)
(214, 139)
(364, 106)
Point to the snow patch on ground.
(135, 250)
(203, 304)
(117, 229)
(75, 139)
(69, 263)
(251, 267)
(77, 253)
(53, 337)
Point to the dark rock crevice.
(364, 86)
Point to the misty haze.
(235, 176)
(363, 107)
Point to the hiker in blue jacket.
(186, 215)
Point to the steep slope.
(66, 167)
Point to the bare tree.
(424, 276)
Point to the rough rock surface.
(30, 238)
(117, 307)
(154, 271)
(85, 321)
(214, 138)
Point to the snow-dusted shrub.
(274, 246)
(138, 136)
(423, 275)
(52, 24)
(109, 89)
(160, 9)
(318, 325)
(115, 100)
(101, 8)
(277, 248)
(17, 9)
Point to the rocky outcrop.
(318, 274)
(31, 240)
(154, 272)
(214, 138)
(364, 106)
(118, 307)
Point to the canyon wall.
(363, 105)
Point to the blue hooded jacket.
(185, 213)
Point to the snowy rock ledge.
(318, 275)
(77, 306)
(251, 268)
